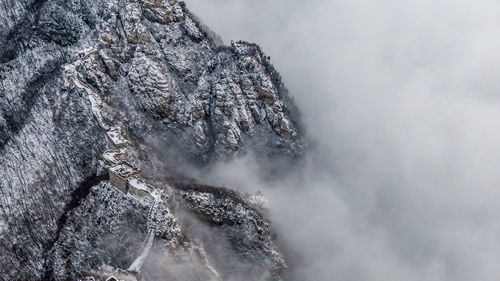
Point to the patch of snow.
(116, 137)
(259, 200)
(124, 169)
(114, 156)
(138, 184)
(95, 101)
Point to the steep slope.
(71, 72)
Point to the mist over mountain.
(400, 99)
(150, 140)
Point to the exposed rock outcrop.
(70, 71)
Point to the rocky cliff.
(82, 80)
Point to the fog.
(401, 102)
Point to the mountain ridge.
(72, 72)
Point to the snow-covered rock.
(80, 78)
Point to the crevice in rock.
(81, 192)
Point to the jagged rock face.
(220, 211)
(158, 65)
(71, 69)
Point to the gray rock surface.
(71, 70)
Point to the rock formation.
(73, 71)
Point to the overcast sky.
(402, 100)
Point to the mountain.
(105, 107)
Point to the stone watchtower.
(120, 174)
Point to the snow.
(138, 184)
(259, 200)
(116, 137)
(95, 101)
(156, 195)
(139, 261)
(124, 169)
(112, 156)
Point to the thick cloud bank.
(401, 99)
